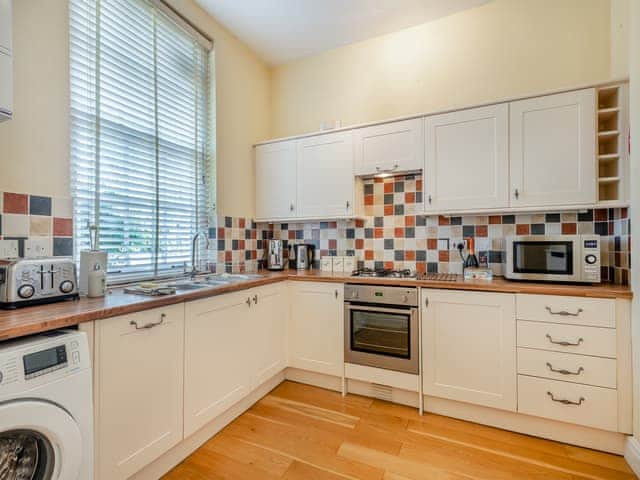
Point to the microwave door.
(556, 259)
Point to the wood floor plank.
(303, 432)
(521, 453)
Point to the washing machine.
(46, 408)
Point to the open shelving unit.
(612, 144)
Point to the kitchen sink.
(186, 286)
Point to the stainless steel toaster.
(28, 281)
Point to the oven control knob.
(590, 259)
(354, 294)
(405, 298)
(66, 286)
(26, 291)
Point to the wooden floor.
(303, 432)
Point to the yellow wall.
(501, 49)
(34, 146)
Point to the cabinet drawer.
(600, 342)
(596, 312)
(568, 402)
(596, 371)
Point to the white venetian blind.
(139, 136)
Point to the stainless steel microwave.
(554, 258)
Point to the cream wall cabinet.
(316, 327)
(467, 159)
(6, 26)
(552, 150)
(469, 347)
(326, 185)
(276, 180)
(138, 389)
(218, 357)
(391, 147)
(6, 60)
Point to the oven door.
(549, 258)
(382, 337)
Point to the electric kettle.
(303, 256)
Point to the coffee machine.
(275, 255)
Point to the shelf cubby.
(609, 143)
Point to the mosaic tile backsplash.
(37, 221)
(393, 235)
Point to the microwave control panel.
(591, 260)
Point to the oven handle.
(368, 308)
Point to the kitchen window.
(140, 134)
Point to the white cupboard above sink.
(310, 178)
(389, 148)
(6, 61)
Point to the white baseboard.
(632, 454)
(173, 457)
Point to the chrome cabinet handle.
(387, 170)
(516, 194)
(255, 299)
(564, 401)
(336, 293)
(564, 313)
(148, 325)
(429, 198)
(564, 343)
(348, 204)
(563, 371)
(291, 208)
(248, 302)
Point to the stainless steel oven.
(381, 327)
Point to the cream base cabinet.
(326, 186)
(316, 327)
(138, 389)
(552, 149)
(218, 357)
(276, 181)
(268, 323)
(467, 159)
(391, 147)
(469, 347)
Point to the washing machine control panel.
(51, 356)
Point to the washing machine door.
(38, 441)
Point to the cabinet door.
(466, 162)
(316, 327)
(469, 345)
(138, 391)
(397, 146)
(6, 84)
(218, 357)
(5, 26)
(269, 315)
(276, 180)
(326, 182)
(552, 153)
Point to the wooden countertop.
(30, 320)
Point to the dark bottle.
(471, 261)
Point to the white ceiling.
(284, 30)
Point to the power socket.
(37, 247)
(8, 248)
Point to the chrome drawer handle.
(148, 325)
(564, 343)
(248, 301)
(564, 401)
(564, 313)
(563, 371)
(255, 299)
